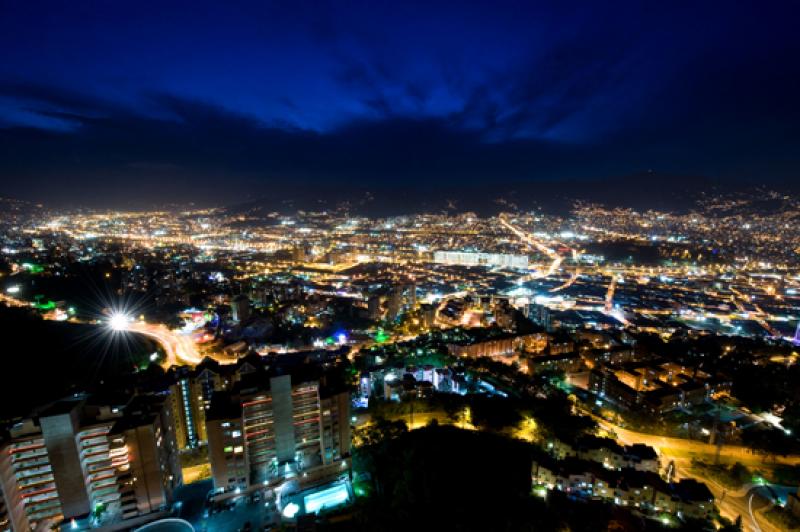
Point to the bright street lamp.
(119, 321)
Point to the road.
(13, 302)
(551, 253)
(758, 316)
(681, 447)
(180, 349)
(529, 240)
(574, 277)
(612, 287)
(745, 501)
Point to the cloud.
(199, 150)
(207, 145)
(418, 98)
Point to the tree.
(494, 413)
(381, 430)
(452, 405)
(728, 526)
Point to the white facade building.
(466, 258)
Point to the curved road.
(665, 444)
(179, 349)
(745, 501)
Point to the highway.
(529, 240)
(13, 302)
(552, 254)
(179, 349)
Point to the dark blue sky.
(109, 102)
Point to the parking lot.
(242, 513)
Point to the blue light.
(327, 498)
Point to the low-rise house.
(644, 491)
(608, 453)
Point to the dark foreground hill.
(45, 360)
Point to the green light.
(50, 305)
(381, 336)
(33, 268)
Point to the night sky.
(122, 103)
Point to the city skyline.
(608, 344)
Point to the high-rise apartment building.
(68, 460)
(187, 404)
(191, 396)
(374, 307)
(5, 521)
(394, 304)
(273, 426)
(240, 308)
(54, 465)
(145, 455)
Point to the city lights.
(480, 266)
(290, 510)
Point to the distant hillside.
(640, 191)
(11, 206)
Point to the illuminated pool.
(326, 498)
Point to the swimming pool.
(326, 498)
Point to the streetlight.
(119, 321)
